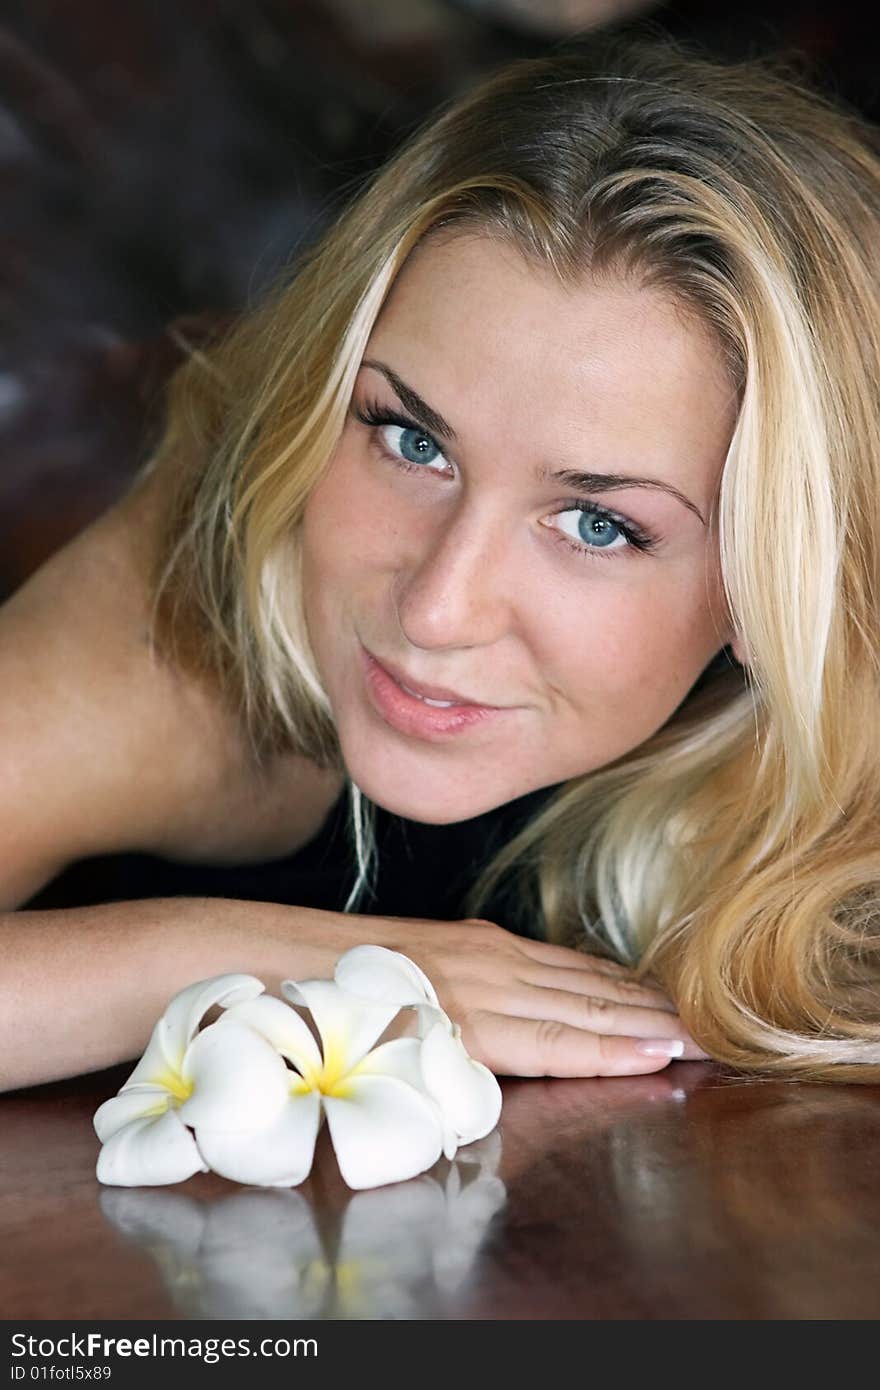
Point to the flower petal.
(153, 1150)
(238, 1079)
(389, 977)
(120, 1110)
(383, 1130)
(466, 1091)
(279, 1155)
(401, 1057)
(384, 976)
(429, 1015)
(348, 1025)
(163, 1057)
(282, 1026)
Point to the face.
(443, 543)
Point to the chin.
(446, 807)
(424, 812)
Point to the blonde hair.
(736, 853)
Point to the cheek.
(323, 549)
(633, 653)
(345, 526)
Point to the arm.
(81, 988)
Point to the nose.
(458, 591)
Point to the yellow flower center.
(174, 1083)
(330, 1079)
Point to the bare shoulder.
(105, 747)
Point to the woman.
(554, 465)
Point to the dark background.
(160, 161)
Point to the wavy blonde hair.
(736, 853)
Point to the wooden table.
(684, 1195)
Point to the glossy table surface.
(689, 1194)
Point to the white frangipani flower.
(384, 1127)
(246, 1096)
(466, 1091)
(229, 1080)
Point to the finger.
(604, 1016)
(553, 954)
(550, 953)
(601, 986)
(525, 1047)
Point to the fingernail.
(661, 1047)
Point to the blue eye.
(415, 445)
(596, 527)
(605, 526)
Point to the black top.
(423, 870)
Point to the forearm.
(81, 988)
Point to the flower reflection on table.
(273, 1253)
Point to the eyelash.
(637, 538)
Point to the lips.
(431, 694)
(423, 718)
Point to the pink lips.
(431, 692)
(411, 715)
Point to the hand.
(528, 1008)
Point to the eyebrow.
(585, 483)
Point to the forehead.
(604, 364)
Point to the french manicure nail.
(661, 1047)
